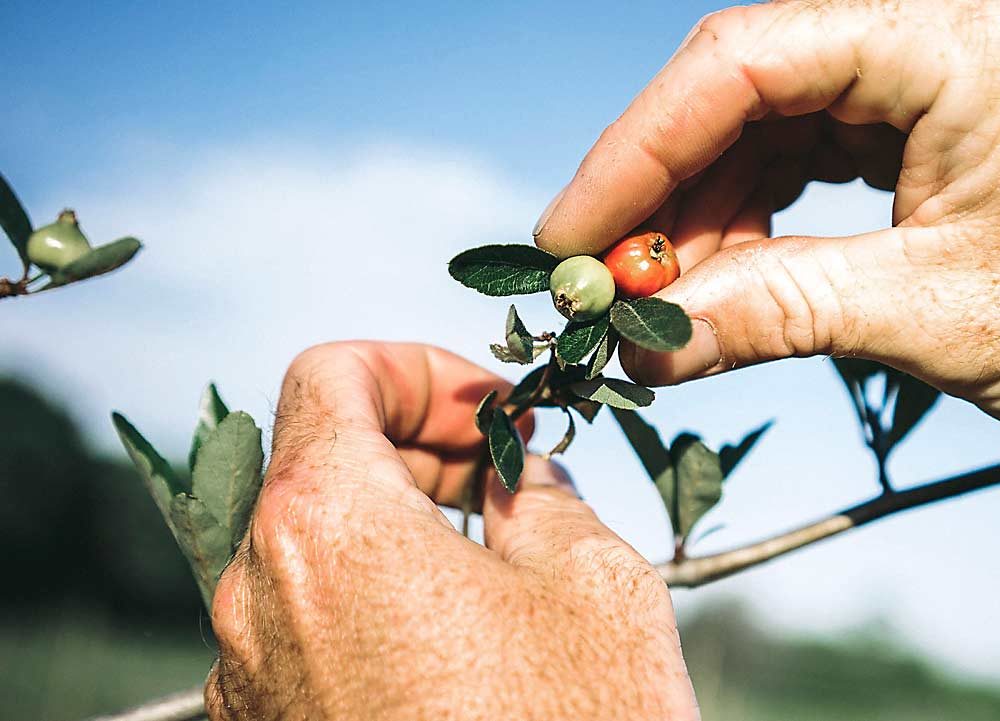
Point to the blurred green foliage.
(99, 610)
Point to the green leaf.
(652, 323)
(914, 399)
(578, 339)
(699, 481)
(484, 412)
(588, 410)
(603, 354)
(506, 449)
(502, 353)
(526, 387)
(615, 393)
(227, 473)
(14, 221)
(519, 341)
(211, 411)
(500, 270)
(645, 441)
(653, 455)
(857, 370)
(567, 438)
(160, 480)
(99, 261)
(203, 540)
(730, 456)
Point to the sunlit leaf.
(652, 323)
(203, 540)
(211, 410)
(578, 339)
(99, 261)
(160, 480)
(520, 344)
(227, 472)
(500, 270)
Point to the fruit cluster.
(583, 287)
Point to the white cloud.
(255, 253)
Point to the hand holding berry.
(763, 99)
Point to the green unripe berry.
(582, 288)
(57, 245)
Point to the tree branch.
(694, 572)
(689, 573)
(183, 706)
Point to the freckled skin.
(352, 598)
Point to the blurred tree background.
(99, 610)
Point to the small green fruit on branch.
(54, 246)
(59, 250)
(582, 288)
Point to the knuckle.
(305, 363)
(278, 527)
(721, 23)
(230, 611)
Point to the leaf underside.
(100, 260)
(615, 393)
(603, 354)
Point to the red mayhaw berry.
(642, 264)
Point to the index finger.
(738, 65)
(388, 415)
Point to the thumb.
(782, 297)
(546, 526)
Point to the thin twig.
(183, 706)
(689, 573)
(694, 572)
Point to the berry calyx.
(642, 264)
(582, 288)
(55, 246)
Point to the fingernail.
(702, 353)
(547, 473)
(547, 213)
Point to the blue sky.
(274, 159)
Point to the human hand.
(759, 101)
(353, 597)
